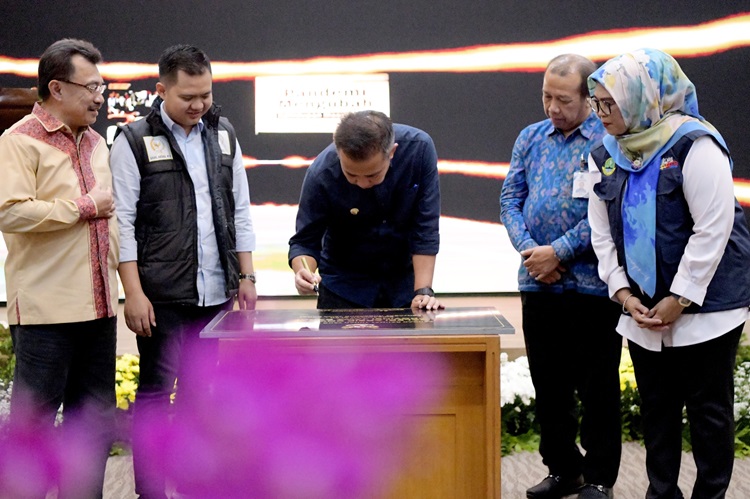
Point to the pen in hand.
(307, 268)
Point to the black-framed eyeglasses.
(601, 106)
(94, 88)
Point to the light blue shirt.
(127, 185)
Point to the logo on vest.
(158, 148)
(609, 167)
(226, 147)
(667, 163)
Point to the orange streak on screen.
(497, 171)
(680, 41)
(288, 162)
(468, 168)
(742, 191)
(474, 168)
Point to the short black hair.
(56, 62)
(361, 134)
(187, 58)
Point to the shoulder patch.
(226, 147)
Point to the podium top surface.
(357, 323)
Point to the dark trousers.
(572, 347)
(701, 379)
(74, 365)
(164, 358)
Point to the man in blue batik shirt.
(568, 319)
(368, 218)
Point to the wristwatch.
(682, 301)
(248, 277)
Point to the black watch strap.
(424, 291)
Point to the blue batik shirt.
(537, 205)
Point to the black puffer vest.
(166, 222)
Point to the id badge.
(583, 183)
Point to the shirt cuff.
(617, 281)
(683, 287)
(86, 207)
(561, 251)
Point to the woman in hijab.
(674, 250)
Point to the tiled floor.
(519, 471)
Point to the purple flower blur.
(36, 458)
(284, 422)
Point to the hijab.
(659, 106)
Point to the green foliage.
(520, 430)
(525, 442)
(743, 352)
(632, 421)
(7, 359)
(742, 440)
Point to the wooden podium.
(457, 451)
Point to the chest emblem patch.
(609, 167)
(158, 148)
(667, 163)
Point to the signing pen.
(307, 268)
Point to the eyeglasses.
(94, 88)
(602, 106)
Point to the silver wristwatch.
(682, 301)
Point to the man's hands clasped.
(542, 264)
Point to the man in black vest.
(182, 201)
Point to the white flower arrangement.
(515, 380)
(742, 392)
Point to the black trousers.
(573, 348)
(72, 364)
(164, 357)
(701, 379)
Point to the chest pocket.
(670, 182)
(609, 187)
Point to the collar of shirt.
(173, 126)
(588, 129)
(52, 124)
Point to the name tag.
(583, 184)
(158, 148)
(226, 147)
